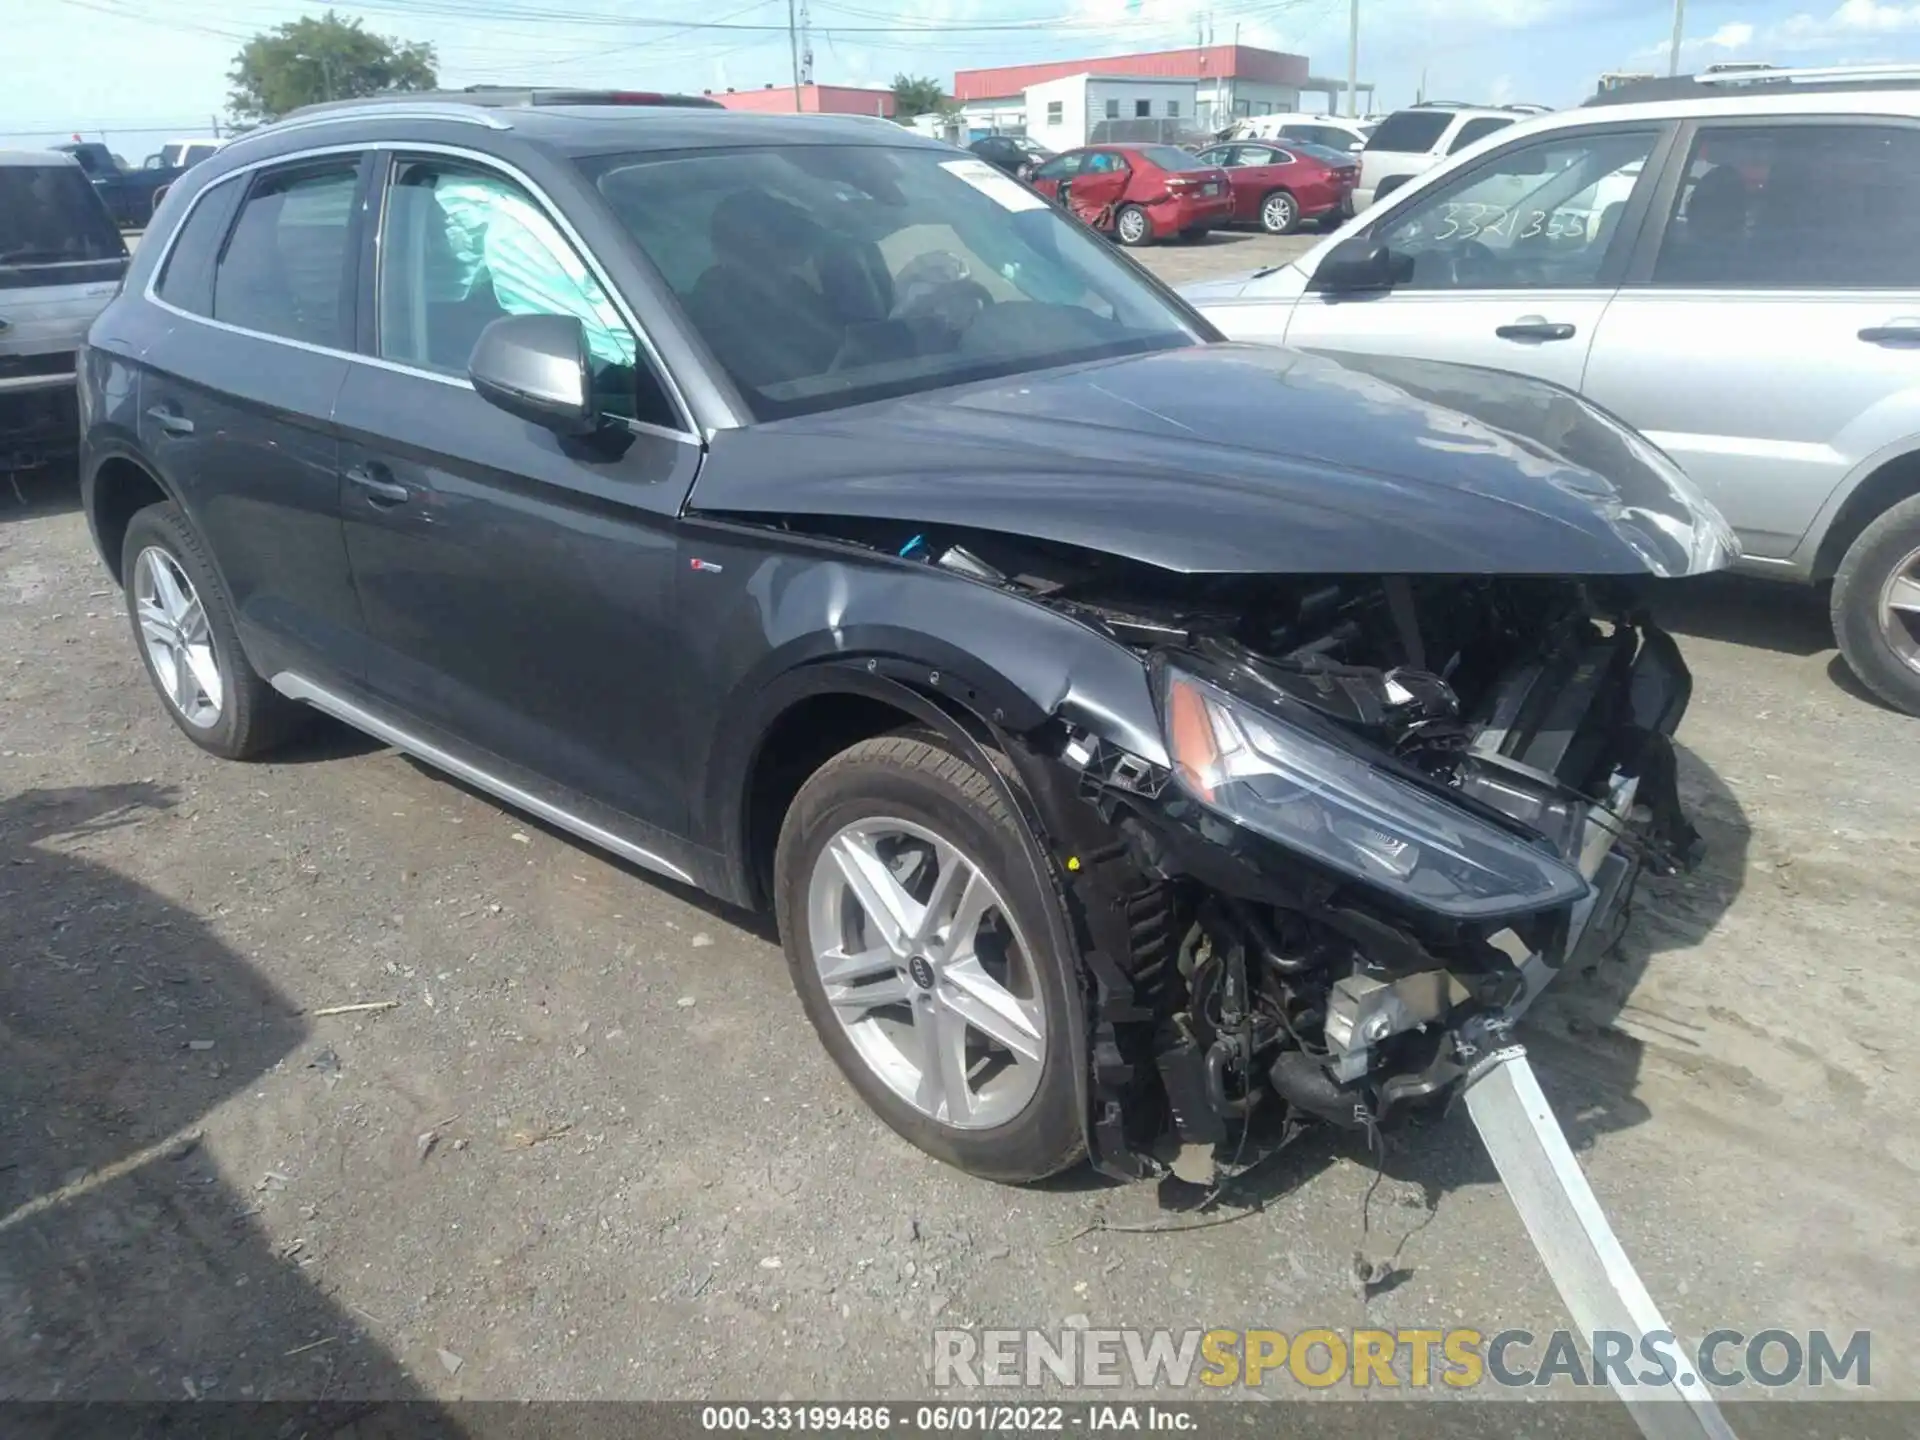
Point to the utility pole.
(1353, 57)
(793, 43)
(1679, 26)
(806, 45)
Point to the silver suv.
(61, 261)
(1728, 263)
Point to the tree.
(917, 95)
(306, 61)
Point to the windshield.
(49, 215)
(822, 276)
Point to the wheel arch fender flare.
(1878, 483)
(948, 703)
(113, 449)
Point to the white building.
(1207, 88)
(1084, 109)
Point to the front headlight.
(1331, 805)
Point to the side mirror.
(1359, 263)
(537, 368)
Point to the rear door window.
(286, 270)
(1796, 206)
(50, 216)
(1410, 132)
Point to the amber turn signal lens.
(1191, 729)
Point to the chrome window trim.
(150, 291)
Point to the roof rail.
(1526, 107)
(394, 109)
(1814, 79)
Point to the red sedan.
(1277, 186)
(1140, 193)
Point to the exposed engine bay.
(1397, 807)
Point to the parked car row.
(1728, 268)
(1142, 739)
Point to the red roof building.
(814, 100)
(1206, 62)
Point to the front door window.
(1539, 216)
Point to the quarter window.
(462, 247)
(1475, 130)
(1538, 216)
(285, 269)
(1796, 207)
(187, 281)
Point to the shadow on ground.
(1743, 610)
(130, 1270)
(31, 494)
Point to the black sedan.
(1139, 737)
(1016, 155)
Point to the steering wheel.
(1468, 262)
(958, 302)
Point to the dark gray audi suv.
(1142, 739)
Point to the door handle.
(1900, 333)
(170, 422)
(1532, 327)
(381, 490)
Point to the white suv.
(1410, 141)
(1728, 263)
(1334, 132)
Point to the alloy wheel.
(178, 640)
(1133, 227)
(1900, 610)
(926, 970)
(1278, 214)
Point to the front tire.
(1279, 213)
(917, 936)
(1876, 606)
(1133, 227)
(183, 627)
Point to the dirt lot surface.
(593, 1149)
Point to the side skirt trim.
(298, 687)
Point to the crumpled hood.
(1247, 458)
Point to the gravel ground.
(593, 1150)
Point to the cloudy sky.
(137, 68)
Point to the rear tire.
(1279, 213)
(1876, 606)
(184, 630)
(915, 812)
(1132, 227)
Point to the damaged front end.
(1389, 811)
